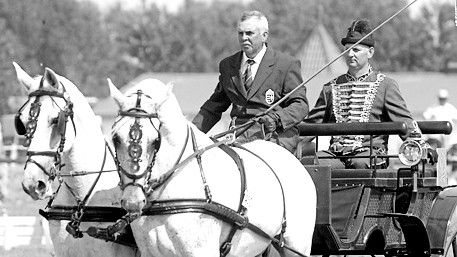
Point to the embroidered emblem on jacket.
(269, 96)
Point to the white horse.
(151, 138)
(56, 109)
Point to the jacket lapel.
(264, 70)
(235, 74)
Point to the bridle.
(28, 130)
(134, 148)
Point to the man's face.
(358, 57)
(442, 100)
(251, 37)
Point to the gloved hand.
(269, 121)
(432, 155)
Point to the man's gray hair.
(263, 22)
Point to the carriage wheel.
(450, 246)
(450, 249)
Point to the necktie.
(247, 77)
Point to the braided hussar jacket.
(374, 98)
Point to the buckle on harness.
(242, 222)
(73, 229)
(225, 248)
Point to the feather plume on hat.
(358, 29)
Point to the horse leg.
(177, 235)
(197, 236)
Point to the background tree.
(80, 42)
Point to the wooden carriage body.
(397, 211)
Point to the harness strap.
(73, 226)
(91, 213)
(176, 206)
(157, 182)
(202, 173)
(284, 220)
(227, 245)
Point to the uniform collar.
(350, 77)
(258, 58)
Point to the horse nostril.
(122, 202)
(25, 188)
(41, 186)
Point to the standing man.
(361, 95)
(251, 81)
(443, 111)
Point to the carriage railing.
(371, 129)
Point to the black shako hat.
(358, 29)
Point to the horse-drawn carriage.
(402, 210)
(197, 195)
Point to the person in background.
(443, 111)
(252, 80)
(363, 94)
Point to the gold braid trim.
(352, 102)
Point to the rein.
(155, 183)
(77, 216)
(73, 225)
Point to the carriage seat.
(306, 152)
(352, 173)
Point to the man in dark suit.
(361, 95)
(251, 81)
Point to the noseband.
(134, 149)
(28, 130)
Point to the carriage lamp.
(411, 152)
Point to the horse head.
(43, 120)
(136, 137)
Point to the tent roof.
(318, 50)
(191, 90)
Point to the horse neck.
(88, 154)
(173, 132)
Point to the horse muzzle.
(133, 199)
(38, 190)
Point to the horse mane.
(75, 95)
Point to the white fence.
(23, 230)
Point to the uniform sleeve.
(395, 107)
(295, 108)
(428, 114)
(211, 111)
(317, 114)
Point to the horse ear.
(117, 95)
(51, 78)
(23, 77)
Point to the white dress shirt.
(254, 67)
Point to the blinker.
(20, 128)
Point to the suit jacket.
(276, 76)
(388, 105)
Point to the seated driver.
(361, 95)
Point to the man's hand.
(270, 122)
(432, 155)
